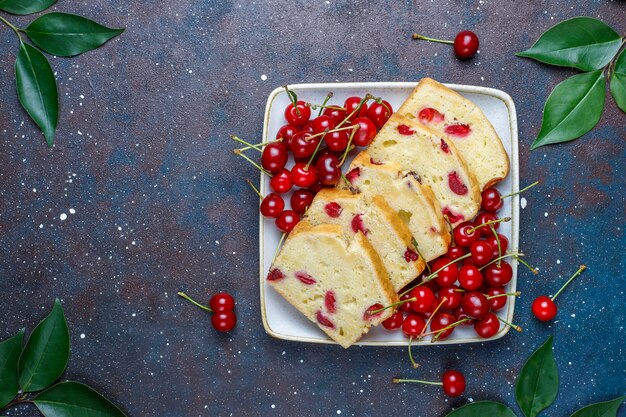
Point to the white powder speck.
(41, 226)
(63, 216)
(72, 211)
(134, 315)
(273, 405)
(34, 190)
(338, 411)
(263, 77)
(132, 243)
(119, 228)
(82, 335)
(558, 261)
(545, 214)
(523, 203)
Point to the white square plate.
(283, 321)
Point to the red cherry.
(379, 113)
(405, 306)
(491, 199)
(424, 299)
(327, 168)
(488, 326)
(307, 128)
(498, 276)
(303, 175)
(470, 277)
(455, 252)
(222, 301)
(272, 205)
(544, 308)
(441, 321)
(287, 221)
(274, 157)
(453, 383)
(484, 217)
(301, 199)
(504, 244)
(286, 133)
(475, 304)
(413, 325)
(351, 104)
(300, 117)
(281, 182)
(464, 235)
(336, 114)
(321, 123)
(365, 133)
(482, 252)
(452, 295)
(394, 322)
(337, 141)
(224, 321)
(448, 275)
(465, 44)
(302, 145)
(497, 303)
(460, 314)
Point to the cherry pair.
(222, 306)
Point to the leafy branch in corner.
(59, 34)
(575, 105)
(28, 372)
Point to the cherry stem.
(448, 327)
(397, 303)
(337, 129)
(443, 300)
(527, 265)
(508, 294)
(417, 249)
(434, 274)
(501, 257)
(249, 145)
(577, 273)
(419, 381)
(328, 97)
(515, 326)
(357, 109)
(493, 230)
(415, 364)
(280, 242)
(292, 98)
(349, 145)
(426, 38)
(262, 144)
(348, 183)
(520, 191)
(317, 148)
(254, 188)
(192, 301)
(257, 166)
(502, 220)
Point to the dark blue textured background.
(155, 203)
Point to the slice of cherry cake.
(382, 226)
(460, 120)
(335, 280)
(435, 161)
(414, 204)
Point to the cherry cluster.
(222, 308)
(318, 145)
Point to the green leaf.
(25, 6)
(582, 42)
(46, 353)
(618, 81)
(37, 90)
(604, 409)
(73, 399)
(483, 409)
(573, 108)
(538, 382)
(64, 34)
(10, 350)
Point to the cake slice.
(382, 226)
(333, 279)
(450, 114)
(414, 203)
(434, 160)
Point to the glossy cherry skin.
(327, 168)
(301, 199)
(460, 314)
(465, 44)
(286, 132)
(475, 304)
(453, 383)
(497, 303)
(281, 182)
(224, 321)
(272, 205)
(379, 113)
(491, 200)
(222, 301)
(274, 157)
(488, 326)
(300, 117)
(453, 297)
(482, 218)
(441, 321)
(498, 276)
(455, 252)
(482, 252)
(448, 275)
(424, 299)
(394, 322)
(464, 236)
(287, 221)
(335, 113)
(337, 141)
(303, 175)
(544, 308)
(413, 325)
(321, 123)
(365, 133)
(504, 244)
(302, 145)
(351, 104)
(470, 277)
(406, 306)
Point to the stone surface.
(141, 197)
